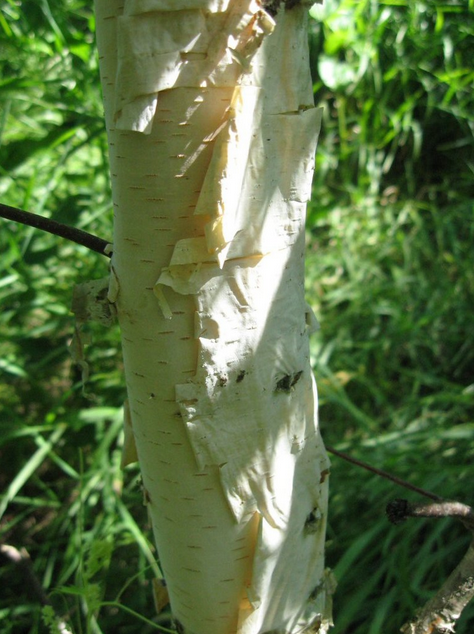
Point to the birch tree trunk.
(212, 133)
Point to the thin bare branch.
(56, 228)
(400, 510)
(384, 474)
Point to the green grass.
(390, 276)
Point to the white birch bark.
(212, 133)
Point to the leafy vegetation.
(390, 276)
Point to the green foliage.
(390, 276)
(50, 620)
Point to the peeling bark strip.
(212, 133)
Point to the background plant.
(390, 276)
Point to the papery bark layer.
(212, 134)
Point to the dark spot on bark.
(315, 626)
(240, 376)
(313, 595)
(179, 627)
(286, 383)
(311, 524)
(296, 378)
(323, 476)
(222, 380)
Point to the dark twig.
(56, 228)
(384, 474)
